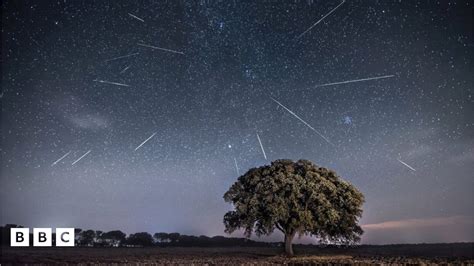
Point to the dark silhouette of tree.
(295, 198)
(4, 236)
(87, 238)
(5, 233)
(98, 234)
(98, 238)
(174, 237)
(140, 239)
(114, 238)
(77, 236)
(161, 237)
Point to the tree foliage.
(140, 239)
(295, 198)
(115, 237)
(87, 238)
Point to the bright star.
(347, 120)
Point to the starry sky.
(139, 115)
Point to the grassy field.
(391, 254)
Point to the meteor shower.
(237, 132)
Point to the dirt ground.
(400, 254)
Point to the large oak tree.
(295, 198)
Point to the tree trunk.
(288, 244)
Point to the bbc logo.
(42, 237)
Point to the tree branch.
(280, 228)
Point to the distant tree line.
(117, 238)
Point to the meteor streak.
(354, 80)
(304, 122)
(120, 57)
(317, 22)
(261, 146)
(60, 159)
(236, 166)
(125, 69)
(152, 135)
(112, 83)
(80, 158)
(405, 164)
(135, 17)
(159, 48)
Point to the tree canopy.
(295, 198)
(140, 239)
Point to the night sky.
(165, 99)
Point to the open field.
(390, 254)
